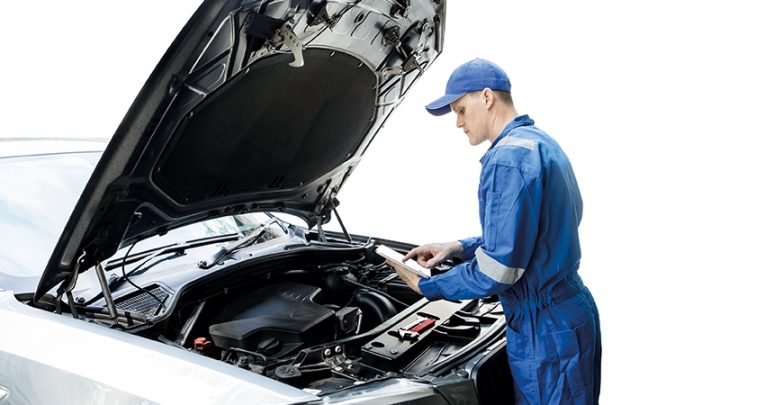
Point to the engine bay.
(320, 316)
(327, 326)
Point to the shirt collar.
(519, 121)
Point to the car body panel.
(47, 358)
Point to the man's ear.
(488, 97)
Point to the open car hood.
(256, 106)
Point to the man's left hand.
(410, 278)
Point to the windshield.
(235, 225)
(37, 198)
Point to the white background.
(659, 105)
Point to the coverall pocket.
(520, 352)
(574, 348)
(518, 346)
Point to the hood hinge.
(67, 287)
(286, 36)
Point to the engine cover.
(275, 320)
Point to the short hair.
(504, 96)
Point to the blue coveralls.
(528, 255)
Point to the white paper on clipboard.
(397, 257)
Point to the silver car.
(186, 260)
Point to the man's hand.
(410, 278)
(432, 254)
(429, 256)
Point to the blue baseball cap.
(475, 75)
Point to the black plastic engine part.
(278, 318)
(348, 320)
(376, 308)
(330, 385)
(392, 350)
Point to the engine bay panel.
(276, 320)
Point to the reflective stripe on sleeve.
(514, 141)
(496, 270)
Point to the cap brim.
(441, 106)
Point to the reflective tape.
(514, 141)
(496, 270)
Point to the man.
(528, 253)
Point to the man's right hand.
(432, 254)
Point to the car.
(186, 260)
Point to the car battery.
(399, 344)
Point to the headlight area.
(330, 322)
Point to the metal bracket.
(336, 359)
(67, 289)
(392, 37)
(320, 16)
(412, 63)
(399, 8)
(286, 36)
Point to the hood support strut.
(340, 221)
(106, 291)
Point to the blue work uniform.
(528, 255)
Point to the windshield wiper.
(282, 224)
(177, 248)
(224, 251)
(172, 248)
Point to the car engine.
(326, 325)
(281, 318)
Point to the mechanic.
(528, 253)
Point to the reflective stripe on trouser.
(554, 351)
